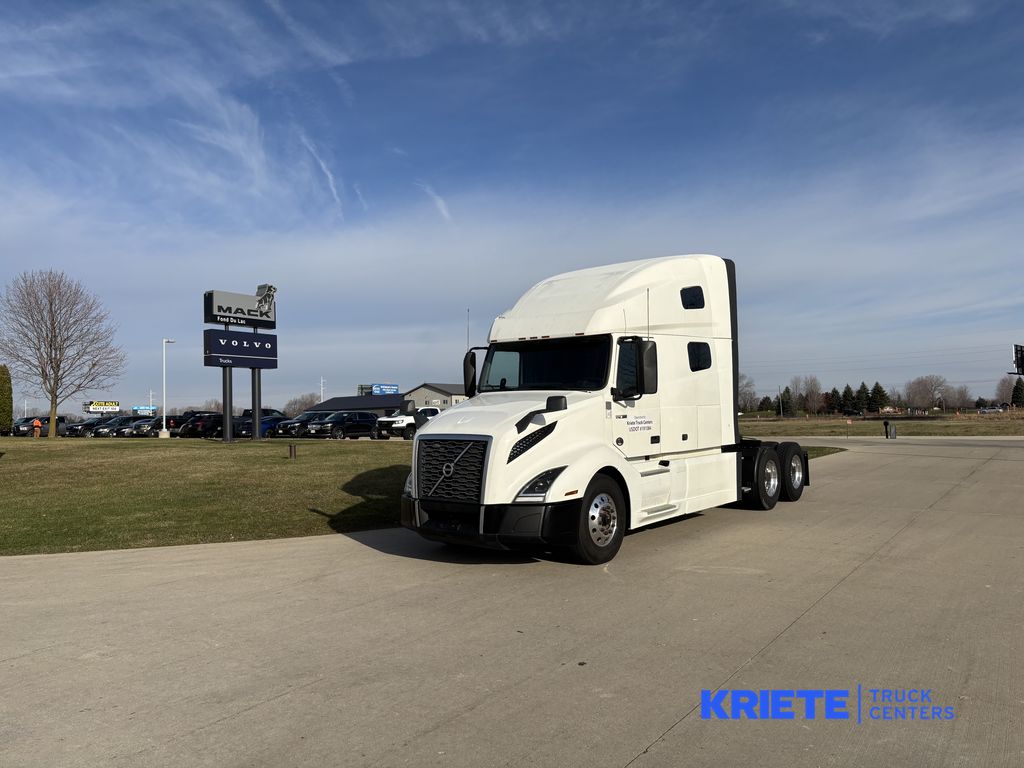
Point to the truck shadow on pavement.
(374, 520)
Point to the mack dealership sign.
(259, 311)
(238, 349)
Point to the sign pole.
(227, 404)
(257, 410)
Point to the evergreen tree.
(981, 402)
(765, 404)
(860, 400)
(1017, 399)
(6, 401)
(835, 401)
(847, 398)
(787, 402)
(878, 398)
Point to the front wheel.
(337, 433)
(602, 523)
(409, 432)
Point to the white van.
(606, 401)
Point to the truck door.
(636, 417)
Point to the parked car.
(990, 409)
(247, 413)
(146, 427)
(297, 427)
(25, 428)
(201, 425)
(110, 427)
(268, 426)
(208, 425)
(350, 424)
(402, 424)
(82, 428)
(17, 423)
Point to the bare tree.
(896, 397)
(811, 389)
(796, 391)
(747, 400)
(958, 397)
(297, 405)
(57, 337)
(1004, 389)
(925, 391)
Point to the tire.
(409, 432)
(375, 434)
(338, 433)
(794, 471)
(603, 520)
(767, 479)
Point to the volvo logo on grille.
(448, 469)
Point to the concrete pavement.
(902, 567)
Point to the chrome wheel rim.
(796, 471)
(602, 520)
(771, 478)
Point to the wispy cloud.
(439, 202)
(883, 17)
(326, 171)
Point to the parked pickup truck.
(402, 424)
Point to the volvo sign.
(259, 311)
(237, 349)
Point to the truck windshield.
(579, 363)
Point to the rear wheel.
(794, 470)
(767, 479)
(602, 523)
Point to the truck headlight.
(538, 488)
(408, 485)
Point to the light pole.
(163, 392)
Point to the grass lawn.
(79, 494)
(74, 495)
(952, 426)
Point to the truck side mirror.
(648, 368)
(408, 407)
(469, 373)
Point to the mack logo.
(248, 312)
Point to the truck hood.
(495, 413)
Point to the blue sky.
(388, 165)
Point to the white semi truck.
(606, 402)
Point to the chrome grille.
(450, 469)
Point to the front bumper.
(497, 526)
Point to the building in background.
(440, 395)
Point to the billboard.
(384, 389)
(144, 410)
(1018, 358)
(224, 308)
(101, 406)
(237, 349)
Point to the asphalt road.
(902, 567)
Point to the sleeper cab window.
(700, 355)
(693, 297)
